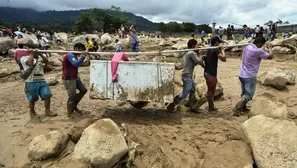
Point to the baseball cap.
(215, 39)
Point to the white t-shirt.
(43, 41)
(38, 72)
(118, 46)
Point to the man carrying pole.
(191, 59)
(251, 59)
(210, 73)
(71, 79)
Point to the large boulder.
(4, 72)
(289, 41)
(231, 154)
(56, 62)
(29, 40)
(273, 141)
(269, 106)
(63, 36)
(82, 38)
(125, 43)
(106, 39)
(277, 77)
(6, 43)
(281, 50)
(51, 81)
(102, 144)
(46, 146)
(78, 129)
(180, 45)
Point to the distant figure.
(273, 31)
(44, 43)
(95, 48)
(246, 33)
(134, 40)
(257, 30)
(59, 41)
(89, 44)
(229, 33)
(118, 46)
(202, 34)
(221, 32)
(123, 31)
(1, 33)
(51, 34)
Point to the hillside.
(64, 20)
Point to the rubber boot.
(192, 102)
(199, 103)
(47, 105)
(245, 109)
(171, 106)
(238, 108)
(70, 108)
(77, 99)
(211, 107)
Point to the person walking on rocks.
(210, 72)
(71, 80)
(190, 60)
(251, 60)
(35, 84)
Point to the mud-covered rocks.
(51, 81)
(29, 40)
(46, 146)
(6, 43)
(277, 78)
(273, 141)
(229, 154)
(269, 106)
(102, 144)
(78, 129)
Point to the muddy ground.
(185, 140)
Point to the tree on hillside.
(84, 23)
(174, 27)
(112, 20)
(189, 27)
(286, 22)
(162, 27)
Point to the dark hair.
(259, 40)
(192, 43)
(20, 45)
(117, 40)
(79, 46)
(87, 38)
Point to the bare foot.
(50, 113)
(78, 110)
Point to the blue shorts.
(34, 90)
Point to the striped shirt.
(251, 60)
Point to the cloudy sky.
(250, 12)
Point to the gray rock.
(51, 81)
(29, 40)
(102, 144)
(78, 129)
(6, 43)
(269, 107)
(106, 39)
(47, 146)
(4, 72)
(56, 62)
(277, 77)
(230, 154)
(273, 141)
(63, 36)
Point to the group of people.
(251, 59)
(36, 85)
(133, 40)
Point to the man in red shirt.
(71, 79)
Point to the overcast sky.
(250, 12)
